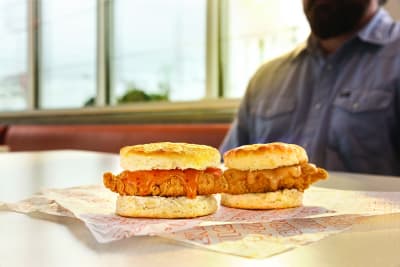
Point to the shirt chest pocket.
(361, 117)
(271, 118)
(355, 102)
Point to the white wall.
(393, 6)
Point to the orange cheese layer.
(145, 180)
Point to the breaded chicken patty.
(261, 181)
(171, 183)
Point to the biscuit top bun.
(264, 156)
(167, 156)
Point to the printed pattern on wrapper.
(240, 232)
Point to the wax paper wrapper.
(258, 240)
(95, 206)
(267, 238)
(249, 233)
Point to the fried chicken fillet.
(167, 183)
(261, 181)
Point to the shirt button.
(317, 106)
(355, 105)
(305, 144)
(329, 67)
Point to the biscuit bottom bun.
(287, 198)
(165, 207)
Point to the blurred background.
(83, 54)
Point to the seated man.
(338, 95)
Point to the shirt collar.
(379, 30)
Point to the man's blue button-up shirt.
(344, 108)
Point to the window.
(68, 53)
(13, 55)
(159, 50)
(254, 32)
(151, 50)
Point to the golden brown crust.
(167, 155)
(173, 184)
(294, 177)
(287, 198)
(165, 207)
(233, 182)
(265, 156)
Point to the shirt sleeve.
(238, 133)
(397, 110)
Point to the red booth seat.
(109, 138)
(3, 130)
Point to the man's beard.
(331, 18)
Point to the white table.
(44, 240)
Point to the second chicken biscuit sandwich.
(268, 176)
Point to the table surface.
(45, 240)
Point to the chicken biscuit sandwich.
(268, 176)
(167, 180)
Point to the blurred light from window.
(68, 53)
(13, 55)
(159, 50)
(256, 32)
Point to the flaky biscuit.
(264, 156)
(167, 156)
(287, 198)
(165, 207)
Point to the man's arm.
(397, 110)
(239, 131)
